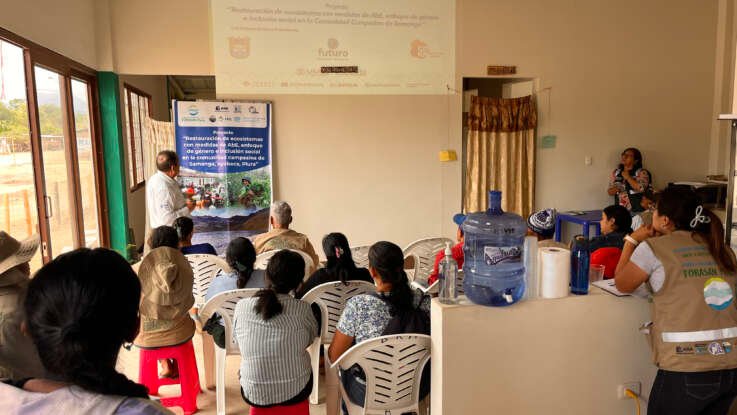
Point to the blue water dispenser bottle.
(494, 273)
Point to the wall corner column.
(114, 159)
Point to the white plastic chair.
(393, 365)
(331, 298)
(262, 260)
(224, 304)
(423, 251)
(205, 267)
(360, 255)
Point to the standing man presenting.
(164, 199)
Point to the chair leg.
(314, 351)
(220, 355)
(208, 356)
(332, 389)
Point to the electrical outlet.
(587, 160)
(633, 386)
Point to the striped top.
(275, 365)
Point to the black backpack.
(415, 320)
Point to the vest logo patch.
(717, 293)
(684, 350)
(716, 349)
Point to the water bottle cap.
(448, 251)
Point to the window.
(137, 108)
(51, 168)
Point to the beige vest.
(694, 315)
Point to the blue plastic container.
(494, 273)
(580, 266)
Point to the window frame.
(129, 90)
(36, 55)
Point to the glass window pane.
(58, 189)
(85, 158)
(18, 214)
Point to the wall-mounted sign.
(501, 70)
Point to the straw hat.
(14, 252)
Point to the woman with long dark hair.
(78, 320)
(629, 180)
(339, 266)
(367, 316)
(692, 273)
(241, 257)
(273, 331)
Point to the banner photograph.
(316, 47)
(225, 156)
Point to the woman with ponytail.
(339, 267)
(692, 274)
(273, 331)
(78, 320)
(241, 257)
(371, 315)
(185, 229)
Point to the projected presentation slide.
(327, 47)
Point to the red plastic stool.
(189, 378)
(301, 408)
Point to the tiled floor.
(128, 364)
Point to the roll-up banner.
(225, 158)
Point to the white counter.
(559, 356)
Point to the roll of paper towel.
(555, 272)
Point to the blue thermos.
(580, 266)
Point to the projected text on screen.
(284, 46)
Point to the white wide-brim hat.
(14, 252)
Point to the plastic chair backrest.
(204, 267)
(262, 260)
(424, 251)
(331, 298)
(609, 257)
(360, 255)
(224, 304)
(393, 366)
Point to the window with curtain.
(137, 108)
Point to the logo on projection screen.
(419, 49)
(240, 47)
(332, 51)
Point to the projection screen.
(333, 47)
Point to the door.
(51, 180)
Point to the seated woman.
(615, 223)
(368, 316)
(185, 229)
(273, 331)
(78, 320)
(166, 280)
(339, 267)
(692, 273)
(241, 257)
(629, 180)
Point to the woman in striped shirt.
(273, 331)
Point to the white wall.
(66, 27)
(626, 73)
(621, 74)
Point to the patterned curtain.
(158, 136)
(500, 153)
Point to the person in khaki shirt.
(281, 237)
(18, 357)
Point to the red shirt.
(456, 252)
